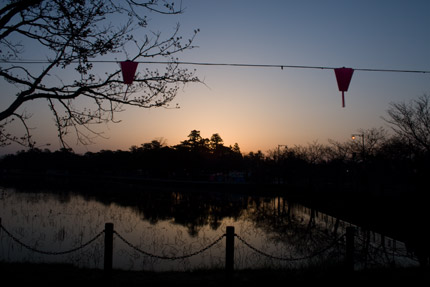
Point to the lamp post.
(354, 136)
(279, 162)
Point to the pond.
(150, 226)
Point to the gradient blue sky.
(260, 108)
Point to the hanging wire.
(244, 65)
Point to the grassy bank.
(67, 275)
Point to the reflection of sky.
(260, 108)
(59, 223)
(45, 222)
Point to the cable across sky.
(243, 65)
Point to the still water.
(173, 224)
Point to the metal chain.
(49, 252)
(167, 257)
(183, 256)
(288, 258)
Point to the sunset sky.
(261, 108)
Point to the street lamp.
(279, 162)
(354, 136)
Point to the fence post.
(229, 249)
(108, 247)
(350, 248)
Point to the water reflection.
(165, 224)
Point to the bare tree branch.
(411, 121)
(73, 33)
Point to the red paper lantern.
(343, 77)
(128, 69)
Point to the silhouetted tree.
(236, 148)
(313, 153)
(195, 142)
(255, 164)
(71, 34)
(339, 151)
(215, 142)
(411, 122)
(388, 162)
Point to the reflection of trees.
(285, 223)
(197, 210)
(193, 210)
(293, 225)
(297, 231)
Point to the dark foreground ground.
(66, 275)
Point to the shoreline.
(68, 275)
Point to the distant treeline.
(372, 161)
